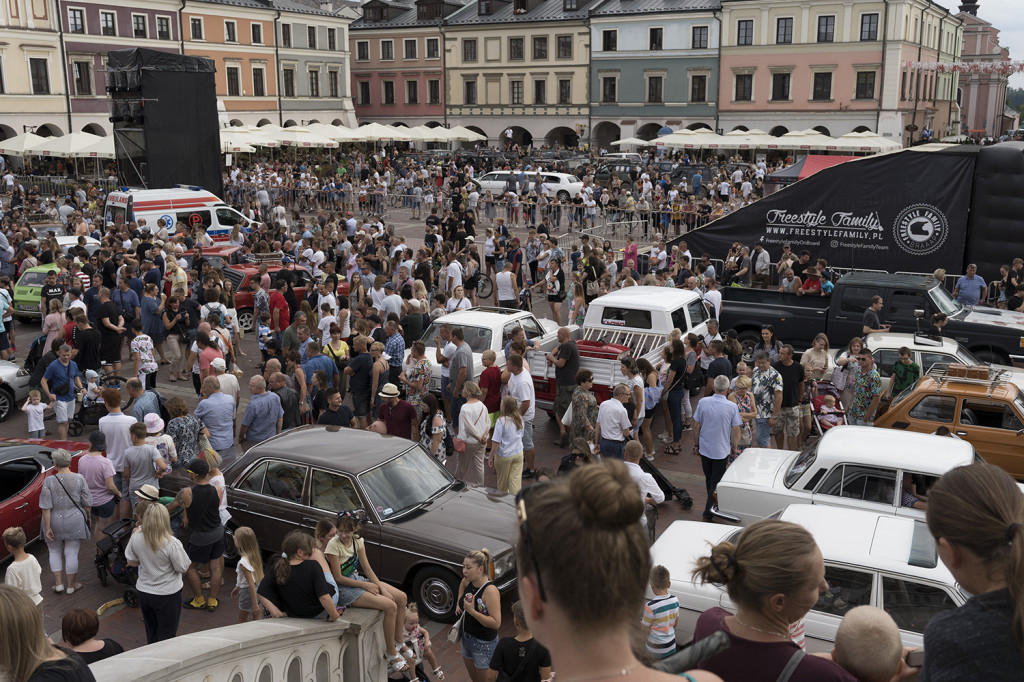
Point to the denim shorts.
(479, 650)
(105, 510)
(244, 599)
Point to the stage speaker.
(164, 110)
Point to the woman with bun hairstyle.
(976, 514)
(577, 535)
(774, 575)
(481, 603)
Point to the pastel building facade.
(982, 95)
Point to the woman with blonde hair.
(25, 652)
(480, 604)
(162, 562)
(507, 446)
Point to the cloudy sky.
(1005, 15)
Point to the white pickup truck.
(634, 320)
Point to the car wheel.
(990, 357)
(563, 196)
(748, 340)
(436, 590)
(6, 403)
(246, 319)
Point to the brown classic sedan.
(420, 521)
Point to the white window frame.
(202, 30)
(363, 42)
(664, 35)
(690, 75)
(170, 25)
(383, 98)
(438, 81)
(601, 76)
(392, 57)
(235, 24)
(49, 72)
(415, 47)
(663, 75)
(263, 69)
(145, 25)
(113, 16)
(237, 66)
(437, 42)
(406, 88)
(85, 20)
(337, 79)
(831, 70)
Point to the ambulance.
(192, 206)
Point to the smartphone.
(915, 659)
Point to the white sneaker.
(649, 456)
(665, 438)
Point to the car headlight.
(504, 564)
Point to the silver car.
(13, 387)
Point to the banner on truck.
(902, 211)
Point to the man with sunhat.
(399, 415)
(812, 282)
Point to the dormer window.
(484, 7)
(519, 6)
(374, 14)
(570, 5)
(428, 10)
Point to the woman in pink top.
(53, 323)
(98, 472)
(630, 252)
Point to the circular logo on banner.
(920, 229)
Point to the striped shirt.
(660, 615)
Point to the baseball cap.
(199, 467)
(219, 364)
(390, 285)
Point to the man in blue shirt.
(394, 347)
(143, 402)
(716, 436)
(316, 360)
(970, 289)
(62, 374)
(263, 415)
(217, 410)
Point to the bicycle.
(484, 285)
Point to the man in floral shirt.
(767, 389)
(867, 390)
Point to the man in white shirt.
(762, 266)
(649, 490)
(713, 296)
(706, 356)
(228, 382)
(115, 425)
(453, 275)
(520, 387)
(613, 423)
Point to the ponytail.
(295, 542)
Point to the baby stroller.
(823, 421)
(90, 414)
(111, 562)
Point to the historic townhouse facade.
(32, 86)
(654, 63)
(836, 67)
(983, 95)
(398, 65)
(519, 65)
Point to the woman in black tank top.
(480, 606)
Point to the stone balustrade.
(270, 650)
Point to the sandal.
(673, 450)
(438, 673)
(71, 588)
(58, 588)
(396, 663)
(172, 379)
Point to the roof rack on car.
(639, 343)
(978, 375)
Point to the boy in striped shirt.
(660, 615)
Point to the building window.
(108, 24)
(434, 91)
(822, 87)
(564, 47)
(699, 37)
(519, 6)
(364, 92)
(332, 39)
(163, 28)
(570, 5)
(869, 26)
(230, 32)
(565, 91)
(387, 50)
(744, 87)
(655, 94)
(515, 49)
(412, 92)
(389, 92)
(865, 85)
(780, 87)
(784, 30)
(427, 11)
(314, 82)
(83, 80)
(433, 48)
(469, 50)
(288, 76)
(2, 88)
(410, 48)
(234, 81)
(76, 21)
(286, 35)
(609, 85)
(332, 84)
(540, 92)
(540, 47)
(826, 29)
(311, 37)
(469, 88)
(372, 14)
(259, 88)
(745, 32)
(699, 88)
(610, 40)
(257, 34)
(515, 92)
(196, 26)
(655, 38)
(363, 51)
(40, 73)
(483, 7)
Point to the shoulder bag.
(63, 388)
(455, 631)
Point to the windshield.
(944, 301)
(404, 483)
(32, 279)
(801, 464)
(478, 338)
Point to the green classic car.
(28, 291)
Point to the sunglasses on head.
(524, 533)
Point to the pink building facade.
(982, 95)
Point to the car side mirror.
(1020, 432)
(918, 313)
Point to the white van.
(192, 206)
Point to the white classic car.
(14, 387)
(859, 467)
(874, 559)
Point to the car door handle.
(21, 506)
(309, 521)
(961, 433)
(240, 505)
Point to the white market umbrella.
(301, 137)
(694, 139)
(427, 134)
(254, 136)
(332, 132)
(633, 141)
(373, 132)
(463, 134)
(80, 145)
(21, 145)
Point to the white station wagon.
(870, 559)
(858, 467)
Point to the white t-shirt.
(325, 328)
(520, 387)
(714, 298)
(240, 581)
(25, 575)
